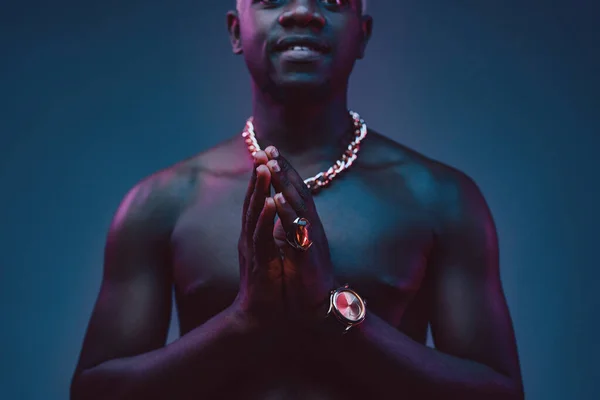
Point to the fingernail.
(273, 151)
(274, 165)
(280, 198)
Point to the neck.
(301, 128)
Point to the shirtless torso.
(379, 219)
(180, 228)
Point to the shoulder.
(154, 202)
(158, 199)
(447, 192)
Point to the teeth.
(299, 48)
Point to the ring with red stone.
(299, 237)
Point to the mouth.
(299, 44)
(301, 49)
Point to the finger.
(257, 200)
(265, 249)
(249, 192)
(286, 213)
(288, 182)
(286, 168)
(259, 158)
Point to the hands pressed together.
(279, 282)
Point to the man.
(257, 315)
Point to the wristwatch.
(347, 307)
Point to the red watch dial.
(348, 305)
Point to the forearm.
(391, 363)
(193, 366)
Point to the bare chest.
(379, 243)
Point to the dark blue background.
(97, 95)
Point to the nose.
(302, 13)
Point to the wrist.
(241, 321)
(320, 311)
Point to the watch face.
(349, 305)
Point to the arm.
(475, 355)
(124, 354)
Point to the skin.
(412, 235)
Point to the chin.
(302, 82)
(303, 93)
(298, 85)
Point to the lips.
(301, 43)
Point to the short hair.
(363, 3)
